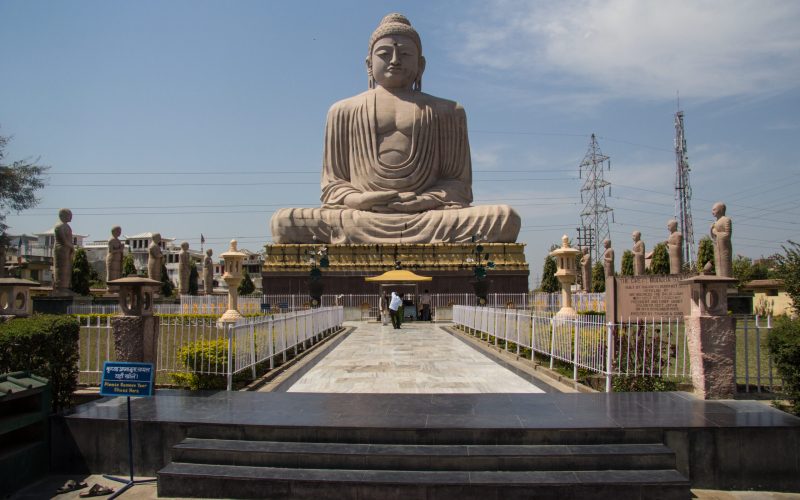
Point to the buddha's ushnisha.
(396, 165)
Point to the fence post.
(552, 340)
(253, 348)
(229, 333)
(609, 354)
(575, 354)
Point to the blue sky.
(204, 117)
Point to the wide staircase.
(217, 462)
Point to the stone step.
(424, 457)
(383, 432)
(231, 481)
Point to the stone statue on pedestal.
(638, 254)
(155, 258)
(675, 247)
(586, 270)
(208, 273)
(396, 165)
(63, 250)
(184, 269)
(608, 259)
(114, 257)
(721, 231)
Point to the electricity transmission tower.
(594, 217)
(683, 191)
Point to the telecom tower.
(683, 191)
(594, 217)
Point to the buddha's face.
(395, 62)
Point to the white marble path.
(418, 358)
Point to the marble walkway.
(420, 358)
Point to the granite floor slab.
(419, 358)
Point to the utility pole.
(683, 191)
(594, 217)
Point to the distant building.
(771, 292)
(171, 253)
(31, 256)
(253, 263)
(138, 245)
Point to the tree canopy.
(550, 283)
(598, 278)
(128, 266)
(19, 181)
(246, 287)
(81, 272)
(660, 261)
(705, 253)
(789, 271)
(626, 266)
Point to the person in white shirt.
(394, 310)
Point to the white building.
(138, 245)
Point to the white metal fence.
(201, 346)
(637, 347)
(281, 303)
(754, 368)
(643, 347)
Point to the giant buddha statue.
(396, 165)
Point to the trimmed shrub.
(643, 383)
(784, 346)
(46, 345)
(208, 355)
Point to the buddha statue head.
(395, 60)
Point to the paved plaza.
(418, 358)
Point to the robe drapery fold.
(438, 167)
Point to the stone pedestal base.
(286, 268)
(136, 338)
(712, 351)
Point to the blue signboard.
(127, 379)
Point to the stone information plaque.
(651, 297)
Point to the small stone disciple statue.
(608, 259)
(721, 231)
(396, 165)
(155, 258)
(638, 254)
(208, 273)
(675, 247)
(63, 250)
(114, 257)
(586, 270)
(184, 269)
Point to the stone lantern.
(567, 274)
(711, 336)
(136, 331)
(232, 277)
(15, 297)
(135, 295)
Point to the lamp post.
(566, 275)
(233, 276)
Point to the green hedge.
(46, 345)
(784, 345)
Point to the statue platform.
(287, 266)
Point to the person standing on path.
(426, 306)
(394, 310)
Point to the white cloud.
(641, 48)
